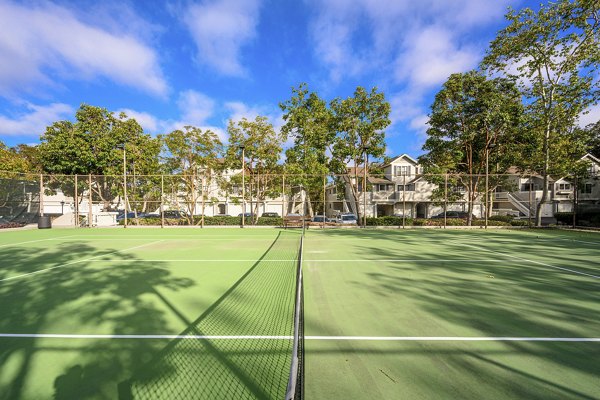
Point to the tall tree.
(194, 155)
(473, 123)
(262, 149)
(93, 145)
(308, 122)
(359, 122)
(555, 53)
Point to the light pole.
(242, 147)
(487, 184)
(366, 166)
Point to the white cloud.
(592, 116)
(431, 56)
(423, 42)
(34, 121)
(149, 122)
(44, 41)
(220, 29)
(195, 107)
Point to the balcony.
(383, 196)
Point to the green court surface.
(389, 314)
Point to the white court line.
(399, 260)
(531, 261)
(74, 262)
(34, 241)
(340, 338)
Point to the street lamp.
(243, 147)
(366, 166)
(487, 184)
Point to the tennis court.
(190, 313)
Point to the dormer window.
(402, 170)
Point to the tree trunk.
(546, 150)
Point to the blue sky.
(201, 63)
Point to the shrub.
(565, 218)
(502, 218)
(491, 222)
(519, 222)
(388, 221)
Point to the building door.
(222, 209)
(421, 210)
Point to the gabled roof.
(591, 158)
(405, 156)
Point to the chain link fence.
(400, 199)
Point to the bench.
(294, 221)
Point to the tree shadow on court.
(505, 298)
(77, 297)
(260, 303)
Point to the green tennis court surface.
(191, 314)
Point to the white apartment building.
(402, 190)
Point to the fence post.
(324, 199)
(404, 202)
(162, 196)
(530, 200)
(76, 221)
(445, 198)
(90, 199)
(575, 202)
(41, 195)
(203, 204)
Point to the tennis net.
(295, 389)
(246, 349)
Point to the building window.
(408, 188)
(586, 188)
(564, 186)
(402, 170)
(526, 187)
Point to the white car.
(348, 219)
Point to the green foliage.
(502, 218)
(388, 221)
(209, 221)
(262, 146)
(193, 156)
(564, 218)
(555, 55)
(474, 122)
(94, 144)
(17, 159)
(359, 122)
(308, 122)
(519, 222)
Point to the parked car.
(348, 219)
(130, 215)
(270, 214)
(175, 214)
(454, 214)
(246, 215)
(320, 218)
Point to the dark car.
(270, 214)
(320, 218)
(247, 215)
(130, 215)
(454, 214)
(175, 214)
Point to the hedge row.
(220, 220)
(584, 218)
(397, 221)
(379, 221)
